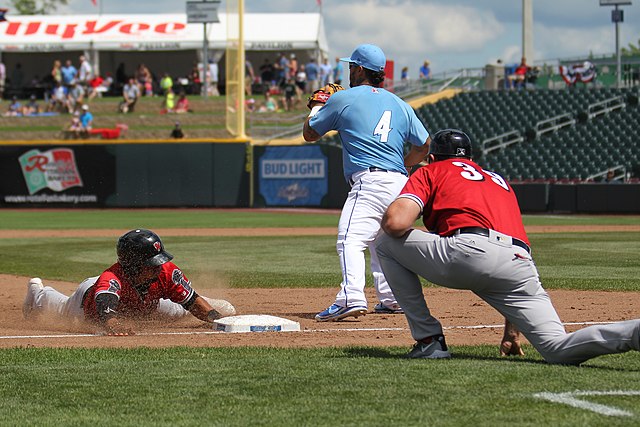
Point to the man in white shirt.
(84, 74)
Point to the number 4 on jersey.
(384, 126)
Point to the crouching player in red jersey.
(477, 242)
(141, 284)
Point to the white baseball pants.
(371, 193)
(49, 300)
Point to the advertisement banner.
(293, 176)
(61, 176)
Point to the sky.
(451, 34)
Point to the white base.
(256, 323)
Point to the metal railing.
(606, 106)
(553, 124)
(500, 141)
(619, 173)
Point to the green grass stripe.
(353, 386)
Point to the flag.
(2, 13)
(319, 2)
(95, 2)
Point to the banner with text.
(293, 176)
(61, 176)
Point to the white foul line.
(569, 398)
(304, 330)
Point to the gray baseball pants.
(503, 275)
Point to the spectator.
(267, 74)
(283, 69)
(166, 83)
(518, 77)
(250, 105)
(3, 78)
(17, 77)
(194, 80)
(269, 105)
(55, 74)
(85, 72)
(130, 94)
(14, 109)
(301, 79)
(169, 103)
(326, 71)
(404, 77)
(214, 75)
(86, 119)
(249, 77)
(58, 100)
(121, 76)
(182, 106)
(69, 73)
(289, 92)
(98, 86)
(293, 66)
(75, 127)
(145, 80)
(75, 97)
(177, 132)
(312, 75)
(338, 70)
(611, 178)
(32, 107)
(425, 71)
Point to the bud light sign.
(293, 176)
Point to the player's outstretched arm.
(203, 310)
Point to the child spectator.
(269, 106)
(75, 127)
(290, 91)
(32, 107)
(14, 109)
(182, 106)
(86, 119)
(169, 103)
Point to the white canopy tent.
(164, 42)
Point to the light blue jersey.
(373, 125)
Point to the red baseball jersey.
(457, 193)
(171, 284)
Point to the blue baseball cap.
(369, 56)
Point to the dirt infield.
(466, 318)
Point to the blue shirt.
(312, 71)
(86, 119)
(373, 125)
(68, 74)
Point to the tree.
(632, 50)
(37, 7)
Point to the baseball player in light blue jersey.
(373, 125)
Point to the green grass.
(17, 219)
(356, 386)
(158, 218)
(593, 261)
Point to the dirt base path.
(466, 318)
(461, 313)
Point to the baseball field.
(283, 263)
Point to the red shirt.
(458, 193)
(171, 284)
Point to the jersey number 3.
(472, 174)
(384, 126)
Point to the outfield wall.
(226, 173)
(124, 174)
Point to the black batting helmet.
(141, 247)
(450, 143)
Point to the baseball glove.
(321, 96)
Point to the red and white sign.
(154, 32)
